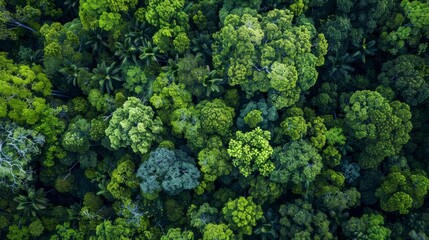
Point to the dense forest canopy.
(214, 119)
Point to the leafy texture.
(171, 171)
(133, 125)
(251, 151)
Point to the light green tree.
(251, 51)
(251, 151)
(134, 125)
(241, 214)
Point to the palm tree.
(105, 75)
(126, 51)
(31, 56)
(172, 67)
(32, 202)
(71, 72)
(139, 32)
(201, 43)
(212, 82)
(97, 42)
(72, 5)
(364, 49)
(269, 226)
(340, 66)
(149, 53)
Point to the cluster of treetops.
(214, 119)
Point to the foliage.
(251, 151)
(76, 138)
(202, 216)
(214, 119)
(123, 180)
(294, 127)
(263, 190)
(299, 220)
(407, 76)
(168, 170)
(134, 125)
(268, 113)
(23, 92)
(402, 191)
(283, 67)
(106, 75)
(169, 17)
(241, 214)
(296, 163)
(214, 160)
(217, 231)
(61, 50)
(380, 127)
(31, 203)
(104, 14)
(369, 226)
(17, 148)
(176, 233)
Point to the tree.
(98, 128)
(23, 91)
(62, 50)
(220, 231)
(105, 14)
(264, 191)
(17, 233)
(254, 54)
(123, 180)
(402, 191)
(103, 103)
(253, 118)
(176, 233)
(406, 75)
(380, 127)
(108, 230)
(169, 17)
(137, 82)
(198, 78)
(299, 220)
(216, 117)
(31, 203)
(335, 201)
(169, 96)
(134, 125)
(369, 226)
(168, 170)
(241, 214)
(250, 152)
(214, 160)
(202, 216)
(36, 228)
(294, 127)
(268, 113)
(66, 232)
(296, 163)
(417, 12)
(18, 146)
(326, 99)
(186, 122)
(107, 76)
(10, 22)
(175, 212)
(76, 138)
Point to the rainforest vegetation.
(214, 119)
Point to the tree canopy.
(214, 119)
